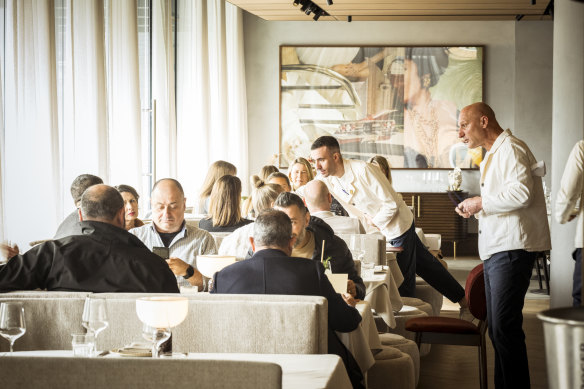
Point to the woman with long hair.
(216, 170)
(382, 163)
(225, 206)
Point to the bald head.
(317, 196)
(104, 204)
(478, 126)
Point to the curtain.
(2, 58)
(31, 180)
(124, 135)
(211, 109)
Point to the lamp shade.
(162, 311)
(208, 265)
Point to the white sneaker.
(464, 314)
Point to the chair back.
(475, 293)
(372, 244)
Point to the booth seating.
(406, 346)
(392, 369)
(121, 373)
(372, 244)
(215, 323)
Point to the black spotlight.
(349, 18)
(329, 2)
(295, 3)
(305, 7)
(317, 14)
(311, 8)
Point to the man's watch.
(190, 272)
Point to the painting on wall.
(398, 102)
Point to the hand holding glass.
(12, 325)
(94, 315)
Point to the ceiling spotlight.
(317, 14)
(311, 8)
(295, 3)
(305, 7)
(349, 18)
(329, 2)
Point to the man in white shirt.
(169, 230)
(364, 192)
(513, 227)
(570, 194)
(318, 200)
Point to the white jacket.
(364, 190)
(571, 191)
(514, 215)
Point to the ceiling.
(362, 10)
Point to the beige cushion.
(406, 346)
(427, 293)
(392, 369)
(114, 373)
(418, 303)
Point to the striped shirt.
(186, 245)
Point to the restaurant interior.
(134, 91)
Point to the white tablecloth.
(362, 341)
(298, 370)
(391, 260)
(382, 293)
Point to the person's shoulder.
(141, 231)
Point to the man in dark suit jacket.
(271, 270)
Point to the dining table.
(381, 292)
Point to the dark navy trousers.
(577, 285)
(416, 259)
(507, 276)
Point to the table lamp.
(208, 265)
(162, 312)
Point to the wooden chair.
(446, 330)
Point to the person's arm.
(342, 262)
(571, 186)
(374, 179)
(26, 271)
(341, 316)
(514, 192)
(180, 269)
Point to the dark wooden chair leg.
(546, 273)
(538, 269)
(483, 366)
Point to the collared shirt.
(571, 191)
(186, 245)
(514, 215)
(340, 224)
(364, 190)
(237, 243)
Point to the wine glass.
(94, 317)
(156, 336)
(12, 325)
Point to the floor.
(450, 366)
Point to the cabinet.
(434, 213)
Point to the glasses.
(94, 317)
(12, 325)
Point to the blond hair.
(216, 170)
(224, 202)
(263, 195)
(302, 161)
(266, 171)
(383, 164)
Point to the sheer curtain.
(211, 108)
(31, 144)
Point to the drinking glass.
(12, 325)
(94, 317)
(156, 336)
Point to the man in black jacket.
(100, 257)
(311, 233)
(271, 270)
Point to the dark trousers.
(406, 261)
(416, 259)
(577, 285)
(507, 276)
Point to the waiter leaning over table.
(513, 227)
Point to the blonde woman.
(216, 170)
(225, 206)
(265, 172)
(263, 197)
(382, 164)
(300, 173)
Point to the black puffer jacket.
(337, 250)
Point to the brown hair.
(266, 171)
(382, 163)
(216, 170)
(225, 200)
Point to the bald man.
(169, 230)
(101, 256)
(318, 201)
(513, 227)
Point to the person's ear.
(329, 198)
(307, 220)
(80, 214)
(291, 244)
(121, 217)
(484, 121)
(252, 243)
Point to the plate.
(132, 352)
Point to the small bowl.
(208, 265)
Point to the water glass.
(367, 269)
(94, 317)
(156, 336)
(83, 344)
(12, 324)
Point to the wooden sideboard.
(434, 213)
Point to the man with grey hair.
(318, 200)
(271, 270)
(99, 257)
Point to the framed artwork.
(398, 102)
